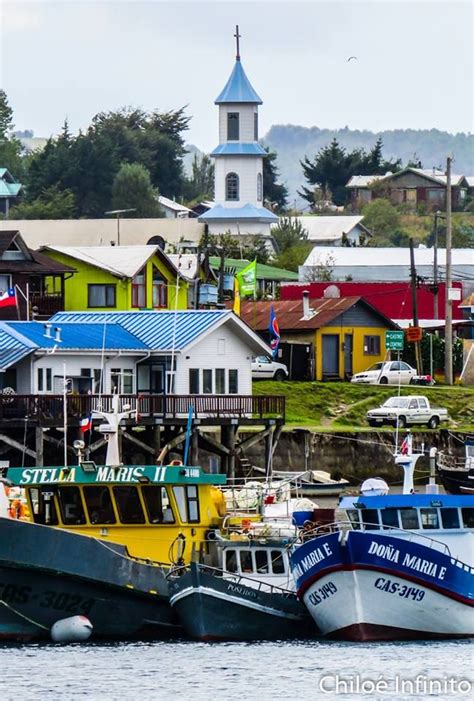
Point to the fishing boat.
(457, 474)
(310, 483)
(392, 567)
(98, 541)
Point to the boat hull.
(457, 481)
(375, 587)
(47, 574)
(214, 608)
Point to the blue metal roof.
(13, 347)
(248, 211)
(156, 330)
(238, 88)
(239, 149)
(76, 336)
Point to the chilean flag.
(8, 298)
(274, 332)
(86, 424)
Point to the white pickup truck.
(412, 409)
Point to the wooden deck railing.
(48, 408)
(47, 303)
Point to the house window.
(255, 126)
(101, 295)
(371, 345)
(45, 380)
(139, 290)
(13, 252)
(121, 381)
(207, 381)
(98, 386)
(435, 195)
(232, 187)
(5, 283)
(193, 381)
(220, 380)
(233, 381)
(233, 126)
(159, 290)
(259, 188)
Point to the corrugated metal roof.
(290, 313)
(122, 261)
(239, 149)
(155, 329)
(13, 347)
(379, 257)
(470, 180)
(363, 180)
(326, 228)
(171, 204)
(238, 88)
(248, 211)
(77, 336)
(264, 272)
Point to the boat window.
(467, 518)
(450, 518)
(429, 518)
(409, 518)
(70, 505)
(230, 561)
(278, 564)
(370, 519)
(246, 561)
(43, 506)
(261, 561)
(157, 504)
(187, 499)
(389, 518)
(129, 505)
(99, 505)
(354, 518)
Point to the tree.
(253, 248)
(132, 189)
(382, 219)
(293, 257)
(10, 147)
(288, 233)
(53, 203)
(200, 186)
(275, 194)
(322, 271)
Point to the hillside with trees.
(430, 146)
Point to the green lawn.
(343, 406)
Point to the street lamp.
(118, 212)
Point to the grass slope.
(341, 405)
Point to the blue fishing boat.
(392, 566)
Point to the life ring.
(17, 509)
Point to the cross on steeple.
(237, 37)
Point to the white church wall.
(246, 121)
(247, 168)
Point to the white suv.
(264, 368)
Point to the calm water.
(300, 670)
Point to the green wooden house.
(122, 278)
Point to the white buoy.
(374, 487)
(74, 629)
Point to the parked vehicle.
(407, 410)
(389, 373)
(264, 368)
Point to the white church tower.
(238, 175)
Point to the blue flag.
(274, 333)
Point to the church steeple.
(238, 88)
(237, 37)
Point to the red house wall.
(391, 298)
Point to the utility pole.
(435, 268)
(448, 334)
(419, 366)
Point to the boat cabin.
(267, 563)
(142, 507)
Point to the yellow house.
(324, 339)
(122, 278)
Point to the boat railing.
(236, 578)
(449, 462)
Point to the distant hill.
(430, 146)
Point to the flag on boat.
(86, 424)
(8, 298)
(274, 332)
(404, 447)
(248, 280)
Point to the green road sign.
(394, 340)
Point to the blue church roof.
(238, 88)
(239, 149)
(246, 212)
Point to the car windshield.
(375, 366)
(397, 402)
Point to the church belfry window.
(232, 187)
(259, 188)
(255, 126)
(233, 126)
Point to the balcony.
(45, 304)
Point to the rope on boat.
(22, 615)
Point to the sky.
(71, 59)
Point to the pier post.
(39, 440)
(157, 440)
(194, 448)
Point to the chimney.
(57, 334)
(306, 309)
(47, 331)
